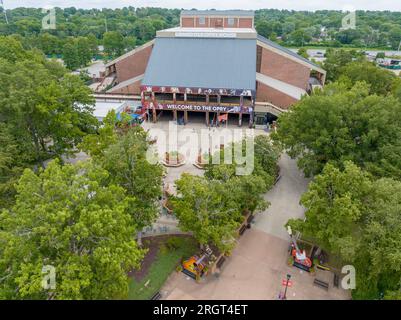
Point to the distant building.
(214, 63)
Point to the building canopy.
(215, 63)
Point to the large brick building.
(216, 63)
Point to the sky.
(310, 5)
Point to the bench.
(321, 284)
(242, 230)
(336, 280)
(156, 296)
(220, 262)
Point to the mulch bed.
(153, 244)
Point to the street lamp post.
(286, 286)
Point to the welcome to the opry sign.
(204, 108)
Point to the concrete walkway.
(284, 200)
(258, 264)
(254, 272)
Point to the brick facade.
(271, 61)
(134, 65)
(245, 23)
(216, 22)
(187, 22)
(284, 69)
(267, 94)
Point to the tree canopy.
(44, 111)
(135, 26)
(70, 218)
(213, 207)
(123, 153)
(350, 214)
(342, 123)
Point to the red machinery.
(301, 261)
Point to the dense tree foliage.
(324, 28)
(341, 123)
(123, 153)
(118, 30)
(41, 101)
(349, 134)
(135, 26)
(44, 111)
(350, 214)
(78, 52)
(338, 59)
(208, 209)
(352, 66)
(71, 218)
(213, 207)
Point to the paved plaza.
(259, 262)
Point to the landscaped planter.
(173, 159)
(201, 161)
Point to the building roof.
(202, 63)
(236, 13)
(102, 108)
(285, 50)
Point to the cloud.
(393, 5)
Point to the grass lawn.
(165, 263)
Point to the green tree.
(106, 135)
(303, 52)
(300, 37)
(213, 207)
(69, 218)
(93, 45)
(335, 202)
(49, 110)
(113, 42)
(208, 209)
(381, 81)
(11, 165)
(123, 153)
(70, 56)
(84, 51)
(48, 43)
(129, 168)
(264, 28)
(337, 59)
(357, 218)
(344, 123)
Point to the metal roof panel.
(202, 63)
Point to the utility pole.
(105, 22)
(399, 47)
(5, 11)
